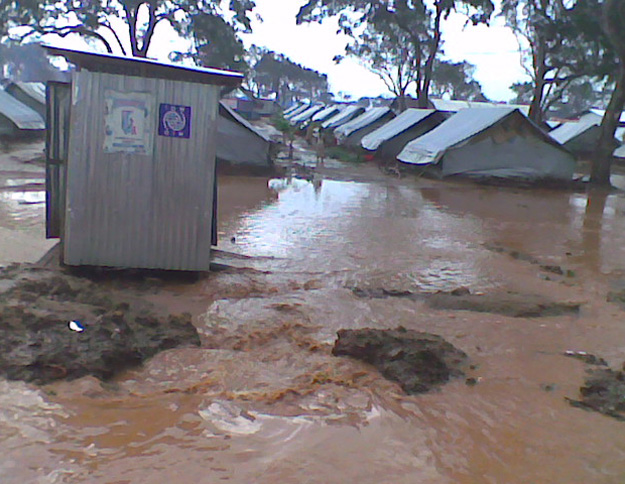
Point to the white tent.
(306, 114)
(453, 105)
(401, 123)
(490, 142)
(238, 142)
(343, 117)
(353, 131)
(327, 112)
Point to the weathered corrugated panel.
(57, 142)
(140, 210)
(21, 115)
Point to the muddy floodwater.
(264, 401)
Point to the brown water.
(263, 400)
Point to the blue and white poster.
(174, 121)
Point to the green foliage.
(455, 79)
(92, 19)
(343, 154)
(561, 43)
(276, 74)
(216, 44)
(397, 39)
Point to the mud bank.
(418, 361)
(506, 303)
(111, 331)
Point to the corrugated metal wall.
(133, 210)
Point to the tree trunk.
(602, 159)
(613, 17)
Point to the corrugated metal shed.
(140, 172)
(370, 116)
(20, 116)
(344, 116)
(401, 123)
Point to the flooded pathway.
(264, 401)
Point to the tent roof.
(453, 105)
(20, 114)
(306, 114)
(134, 66)
(35, 90)
(229, 113)
(342, 117)
(571, 129)
(296, 111)
(371, 115)
(462, 126)
(327, 111)
(401, 123)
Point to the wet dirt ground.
(263, 400)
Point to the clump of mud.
(508, 303)
(603, 392)
(511, 304)
(111, 331)
(418, 361)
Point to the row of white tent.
(482, 140)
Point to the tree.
(613, 15)
(216, 44)
(275, 74)
(413, 26)
(94, 20)
(455, 79)
(558, 47)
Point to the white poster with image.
(128, 122)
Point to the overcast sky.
(494, 50)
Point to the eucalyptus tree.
(558, 47)
(613, 17)
(99, 20)
(413, 27)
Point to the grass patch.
(343, 154)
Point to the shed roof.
(21, 115)
(342, 117)
(398, 125)
(458, 129)
(571, 129)
(140, 67)
(365, 119)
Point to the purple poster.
(174, 121)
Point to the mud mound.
(508, 304)
(505, 303)
(110, 331)
(418, 361)
(603, 392)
